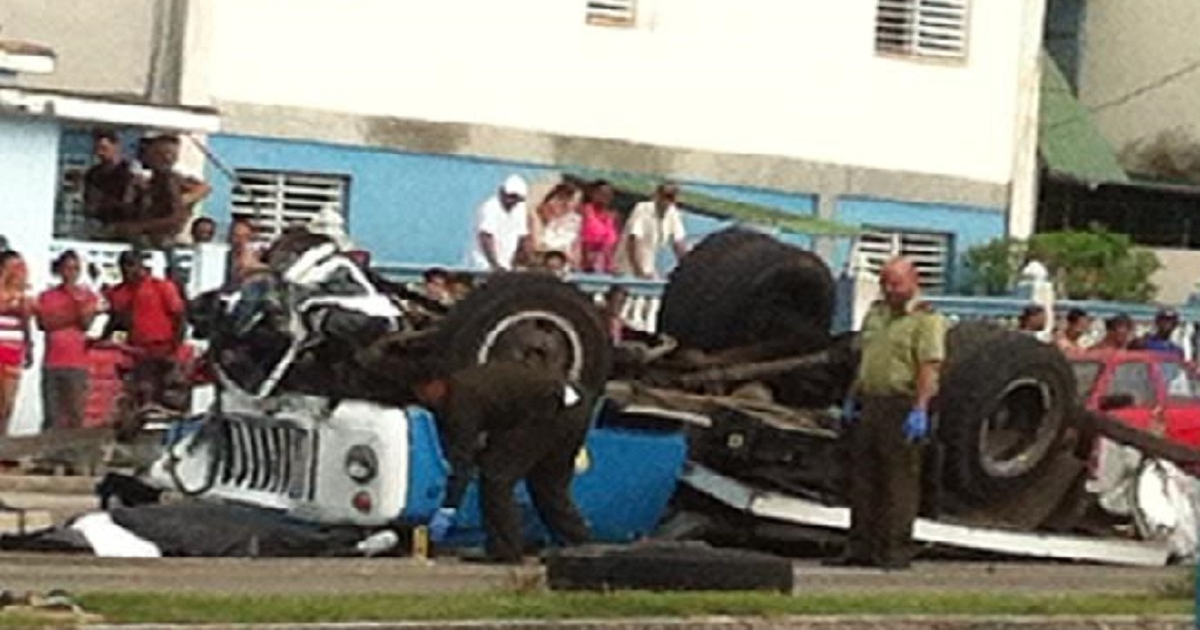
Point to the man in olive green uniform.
(512, 422)
(903, 345)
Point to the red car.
(1153, 391)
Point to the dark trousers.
(543, 454)
(885, 482)
(64, 397)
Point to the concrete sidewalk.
(48, 484)
(42, 572)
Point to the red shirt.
(66, 347)
(154, 307)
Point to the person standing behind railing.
(1118, 333)
(16, 347)
(65, 312)
(555, 226)
(501, 223)
(599, 233)
(1071, 339)
(652, 226)
(1165, 323)
(110, 186)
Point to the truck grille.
(275, 458)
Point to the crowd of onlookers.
(1119, 331)
(575, 228)
(144, 320)
(147, 203)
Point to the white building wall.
(103, 47)
(1138, 72)
(793, 78)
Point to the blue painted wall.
(968, 225)
(402, 206)
(799, 204)
(418, 208)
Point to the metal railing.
(641, 311)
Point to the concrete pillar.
(865, 291)
(824, 246)
(1036, 287)
(1022, 202)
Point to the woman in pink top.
(65, 312)
(599, 233)
(16, 308)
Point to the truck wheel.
(738, 288)
(1005, 401)
(531, 318)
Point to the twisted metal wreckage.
(718, 429)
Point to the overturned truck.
(735, 398)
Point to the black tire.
(668, 566)
(1005, 401)
(533, 318)
(739, 288)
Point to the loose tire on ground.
(668, 566)
(739, 287)
(532, 318)
(1004, 403)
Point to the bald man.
(903, 346)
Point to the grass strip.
(204, 608)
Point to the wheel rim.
(540, 338)
(1019, 431)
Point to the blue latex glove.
(849, 412)
(441, 524)
(916, 425)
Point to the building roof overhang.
(106, 110)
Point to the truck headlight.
(361, 463)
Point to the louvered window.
(922, 28)
(274, 200)
(612, 12)
(69, 218)
(929, 251)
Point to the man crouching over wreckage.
(513, 422)
(903, 346)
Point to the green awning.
(724, 209)
(1068, 141)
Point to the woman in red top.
(599, 233)
(16, 309)
(65, 312)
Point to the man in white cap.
(500, 224)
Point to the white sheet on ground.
(109, 540)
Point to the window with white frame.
(69, 218)
(274, 200)
(929, 251)
(611, 12)
(922, 28)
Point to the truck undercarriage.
(745, 373)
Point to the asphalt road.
(41, 572)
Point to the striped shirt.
(12, 340)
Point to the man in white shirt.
(652, 225)
(500, 224)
